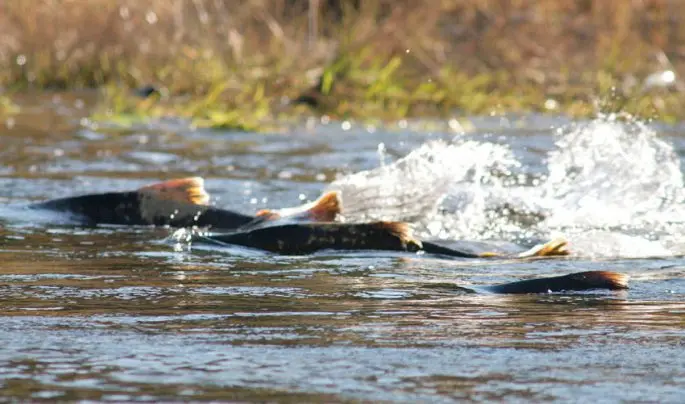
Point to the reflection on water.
(122, 313)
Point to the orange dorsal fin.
(605, 279)
(324, 209)
(403, 231)
(190, 190)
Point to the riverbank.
(268, 61)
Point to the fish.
(308, 238)
(304, 229)
(181, 202)
(578, 281)
(573, 282)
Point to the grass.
(251, 63)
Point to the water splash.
(612, 185)
(415, 186)
(607, 173)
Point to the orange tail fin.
(190, 190)
(553, 248)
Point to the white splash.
(413, 187)
(613, 187)
(608, 173)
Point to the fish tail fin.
(553, 248)
(190, 190)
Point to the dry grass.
(384, 58)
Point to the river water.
(124, 314)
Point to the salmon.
(307, 238)
(574, 282)
(304, 229)
(180, 202)
(579, 281)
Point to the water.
(127, 314)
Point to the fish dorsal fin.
(603, 279)
(324, 209)
(403, 231)
(189, 190)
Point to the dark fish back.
(306, 238)
(135, 208)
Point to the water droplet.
(455, 125)
(124, 12)
(151, 17)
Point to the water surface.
(123, 314)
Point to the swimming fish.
(579, 281)
(574, 282)
(307, 238)
(180, 202)
(297, 230)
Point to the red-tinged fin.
(610, 280)
(189, 190)
(324, 209)
(578, 281)
(553, 248)
(402, 231)
(268, 214)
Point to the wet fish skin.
(307, 238)
(139, 208)
(579, 281)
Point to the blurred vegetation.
(243, 63)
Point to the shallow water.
(126, 314)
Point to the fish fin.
(190, 190)
(327, 207)
(324, 209)
(403, 231)
(603, 279)
(267, 214)
(553, 248)
(490, 254)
